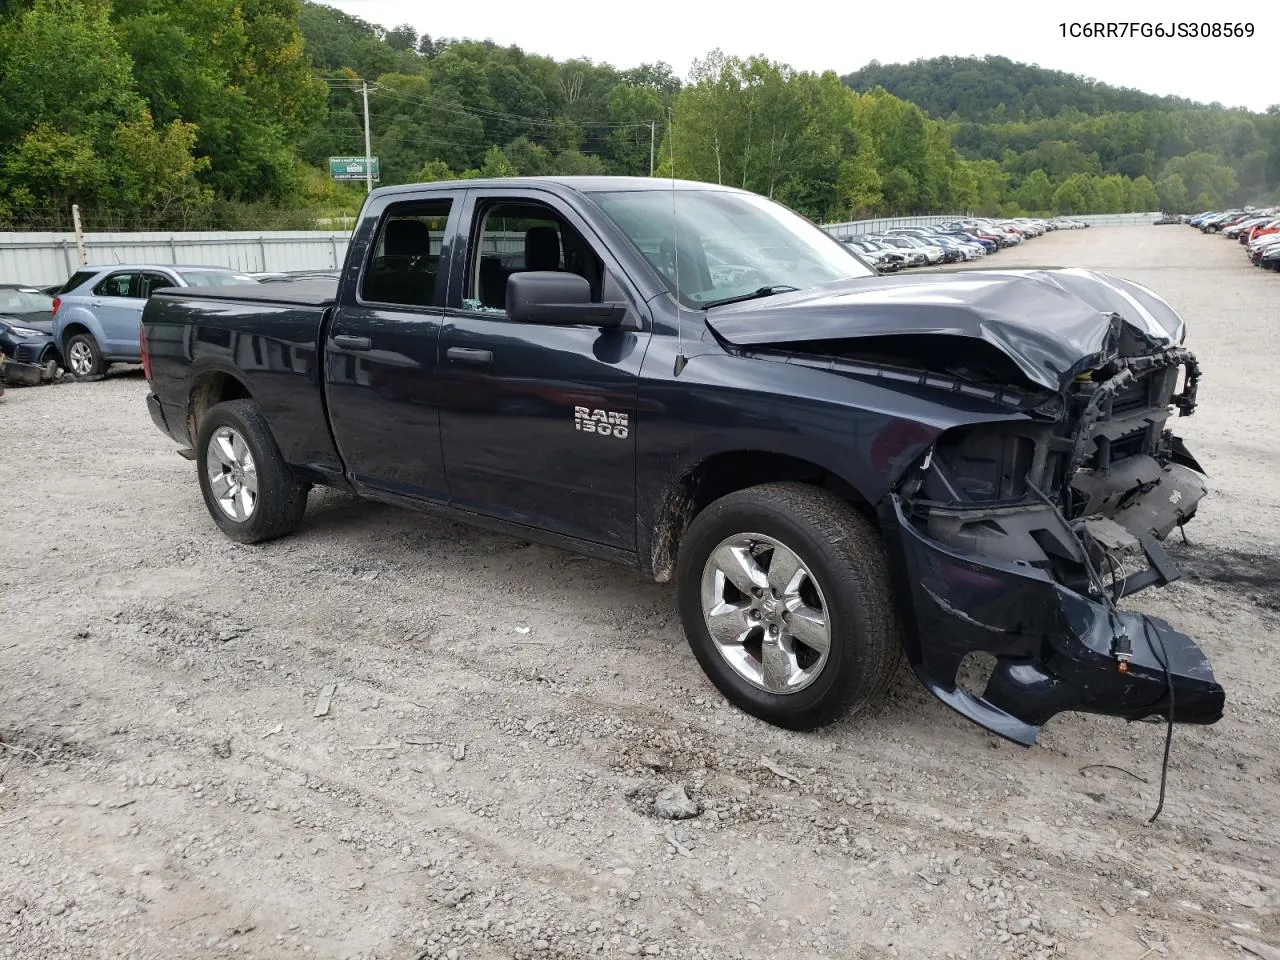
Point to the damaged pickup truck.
(835, 467)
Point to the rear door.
(537, 421)
(117, 301)
(381, 351)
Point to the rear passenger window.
(120, 285)
(406, 255)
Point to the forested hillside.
(223, 113)
(996, 89)
(1059, 138)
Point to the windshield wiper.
(756, 294)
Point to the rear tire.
(84, 359)
(250, 491)
(834, 563)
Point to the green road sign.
(350, 168)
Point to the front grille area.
(1133, 397)
(28, 352)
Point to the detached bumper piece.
(1055, 650)
(21, 373)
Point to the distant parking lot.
(499, 712)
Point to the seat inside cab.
(521, 237)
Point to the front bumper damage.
(1011, 545)
(1054, 648)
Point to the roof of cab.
(559, 185)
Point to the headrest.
(542, 248)
(407, 238)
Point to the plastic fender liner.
(1053, 646)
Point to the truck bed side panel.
(270, 347)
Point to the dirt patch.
(1256, 576)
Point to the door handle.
(470, 355)
(344, 342)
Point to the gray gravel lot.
(504, 714)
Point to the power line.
(427, 100)
(430, 139)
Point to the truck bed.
(265, 336)
(303, 293)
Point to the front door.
(381, 354)
(117, 302)
(537, 421)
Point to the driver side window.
(517, 236)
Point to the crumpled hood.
(1051, 322)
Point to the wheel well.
(725, 473)
(209, 390)
(71, 329)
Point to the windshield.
(731, 244)
(24, 301)
(215, 278)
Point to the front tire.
(248, 488)
(785, 599)
(84, 358)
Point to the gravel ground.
(505, 714)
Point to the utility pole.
(75, 220)
(368, 159)
(652, 134)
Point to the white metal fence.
(46, 258)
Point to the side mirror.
(558, 299)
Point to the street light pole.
(652, 134)
(368, 159)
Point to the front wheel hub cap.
(766, 613)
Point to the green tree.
(1111, 194)
(496, 164)
(1077, 194)
(1142, 196)
(860, 183)
(434, 170)
(76, 128)
(238, 72)
(1171, 190)
(991, 184)
(1035, 193)
(1212, 182)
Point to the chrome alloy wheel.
(81, 358)
(765, 613)
(233, 477)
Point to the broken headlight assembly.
(1016, 538)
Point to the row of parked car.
(1258, 231)
(90, 321)
(950, 241)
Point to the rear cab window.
(404, 264)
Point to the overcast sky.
(841, 35)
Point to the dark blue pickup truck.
(835, 467)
